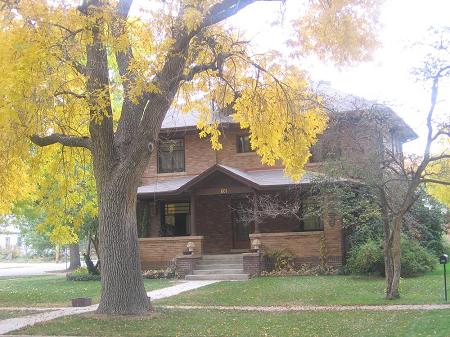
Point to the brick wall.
(158, 252)
(199, 156)
(185, 264)
(333, 236)
(229, 156)
(302, 244)
(252, 263)
(306, 246)
(355, 141)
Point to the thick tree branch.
(123, 57)
(217, 64)
(81, 68)
(436, 181)
(70, 141)
(226, 9)
(101, 126)
(443, 156)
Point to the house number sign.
(223, 190)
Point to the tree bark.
(75, 261)
(123, 289)
(392, 255)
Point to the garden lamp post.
(443, 259)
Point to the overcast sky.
(387, 78)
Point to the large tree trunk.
(75, 261)
(123, 289)
(392, 256)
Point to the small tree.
(393, 179)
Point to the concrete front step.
(220, 256)
(224, 258)
(221, 277)
(226, 261)
(218, 271)
(210, 266)
(219, 267)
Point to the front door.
(240, 229)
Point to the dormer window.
(243, 144)
(171, 156)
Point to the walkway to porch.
(12, 324)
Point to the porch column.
(255, 210)
(192, 207)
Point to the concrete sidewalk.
(12, 324)
(398, 307)
(13, 269)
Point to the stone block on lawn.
(81, 302)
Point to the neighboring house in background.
(190, 192)
(10, 240)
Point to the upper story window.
(326, 149)
(243, 144)
(171, 156)
(396, 144)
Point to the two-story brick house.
(189, 193)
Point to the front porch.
(203, 210)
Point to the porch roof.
(258, 179)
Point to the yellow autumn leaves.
(44, 46)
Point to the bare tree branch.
(70, 93)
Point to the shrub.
(167, 273)
(278, 260)
(303, 270)
(415, 259)
(368, 258)
(445, 247)
(82, 274)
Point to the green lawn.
(16, 313)
(53, 290)
(316, 290)
(246, 324)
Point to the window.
(328, 148)
(175, 219)
(396, 144)
(243, 144)
(171, 156)
(7, 242)
(311, 221)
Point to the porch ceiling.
(258, 179)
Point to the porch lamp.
(190, 246)
(256, 244)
